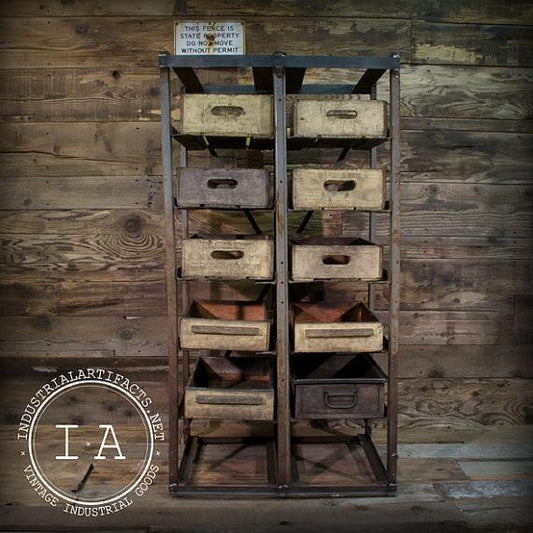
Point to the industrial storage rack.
(279, 75)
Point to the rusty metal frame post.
(394, 301)
(372, 217)
(282, 279)
(171, 281)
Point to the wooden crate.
(335, 327)
(214, 325)
(240, 115)
(224, 187)
(316, 188)
(335, 258)
(228, 258)
(239, 388)
(337, 386)
(344, 117)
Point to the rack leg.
(282, 292)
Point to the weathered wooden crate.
(317, 188)
(238, 388)
(335, 258)
(335, 327)
(224, 187)
(340, 117)
(337, 386)
(211, 325)
(228, 258)
(227, 115)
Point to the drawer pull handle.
(222, 183)
(225, 330)
(227, 254)
(230, 400)
(227, 111)
(339, 185)
(336, 259)
(336, 333)
(340, 400)
(342, 113)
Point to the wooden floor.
(471, 480)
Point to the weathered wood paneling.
(112, 41)
(90, 299)
(471, 44)
(133, 148)
(81, 198)
(429, 92)
(491, 11)
(72, 335)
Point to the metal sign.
(209, 38)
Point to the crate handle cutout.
(336, 259)
(228, 111)
(339, 185)
(225, 330)
(330, 332)
(227, 254)
(230, 400)
(342, 113)
(343, 400)
(222, 183)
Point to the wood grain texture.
(471, 402)
(88, 192)
(133, 148)
(481, 98)
(113, 41)
(72, 298)
(124, 336)
(471, 44)
(85, 149)
(123, 257)
(491, 11)
(465, 361)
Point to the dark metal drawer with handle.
(337, 386)
(238, 388)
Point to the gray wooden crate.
(344, 117)
(335, 258)
(223, 187)
(227, 115)
(318, 188)
(339, 327)
(213, 325)
(231, 388)
(230, 258)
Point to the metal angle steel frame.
(287, 75)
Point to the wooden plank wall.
(81, 204)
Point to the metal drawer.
(228, 257)
(235, 388)
(335, 327)
(212, 325)
(316, 188)
(337, 386)
(248, 115)
(335, 258)
(344, 117)
(230, 188)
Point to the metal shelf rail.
(279, 74)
